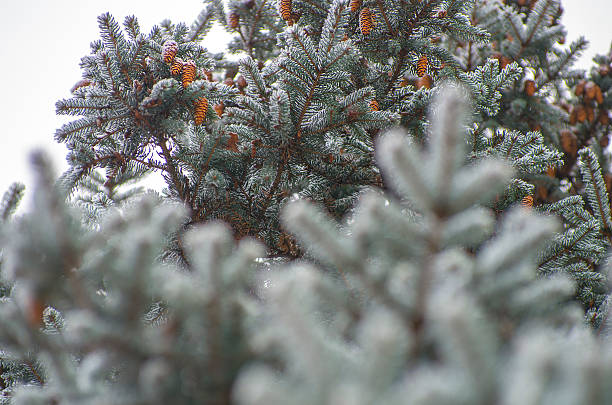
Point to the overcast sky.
(43, 41)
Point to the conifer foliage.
(440, 324)
(378, 201)
(302, 124)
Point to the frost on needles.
(400, 307)
(414, 212)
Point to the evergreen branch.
(249, 44)
(586, 230)
(320, 72)
(256, 125)
(399, 61)
(336, 59)
(316, 5)
(171, 169)
(329, 32)
(149, 164)
(202, 23)
(516, 32)
(277, 178)
(575, 50)
(527, 41)
(313, 86)
(115, 90)
(381, 7)
(105, 136)
(78, 106)
(140, 46)
(110, 31)
(340, 178)
(539, 21)
(32, 369)
(304, 69)
(596, 191)
(10, 201)
(82, 124)
(132, 26)
(313, 63)
(204, 168)
(397, 69)
(250, 71)
(515, 138)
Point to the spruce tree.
(328, 233)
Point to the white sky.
(43, 41)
